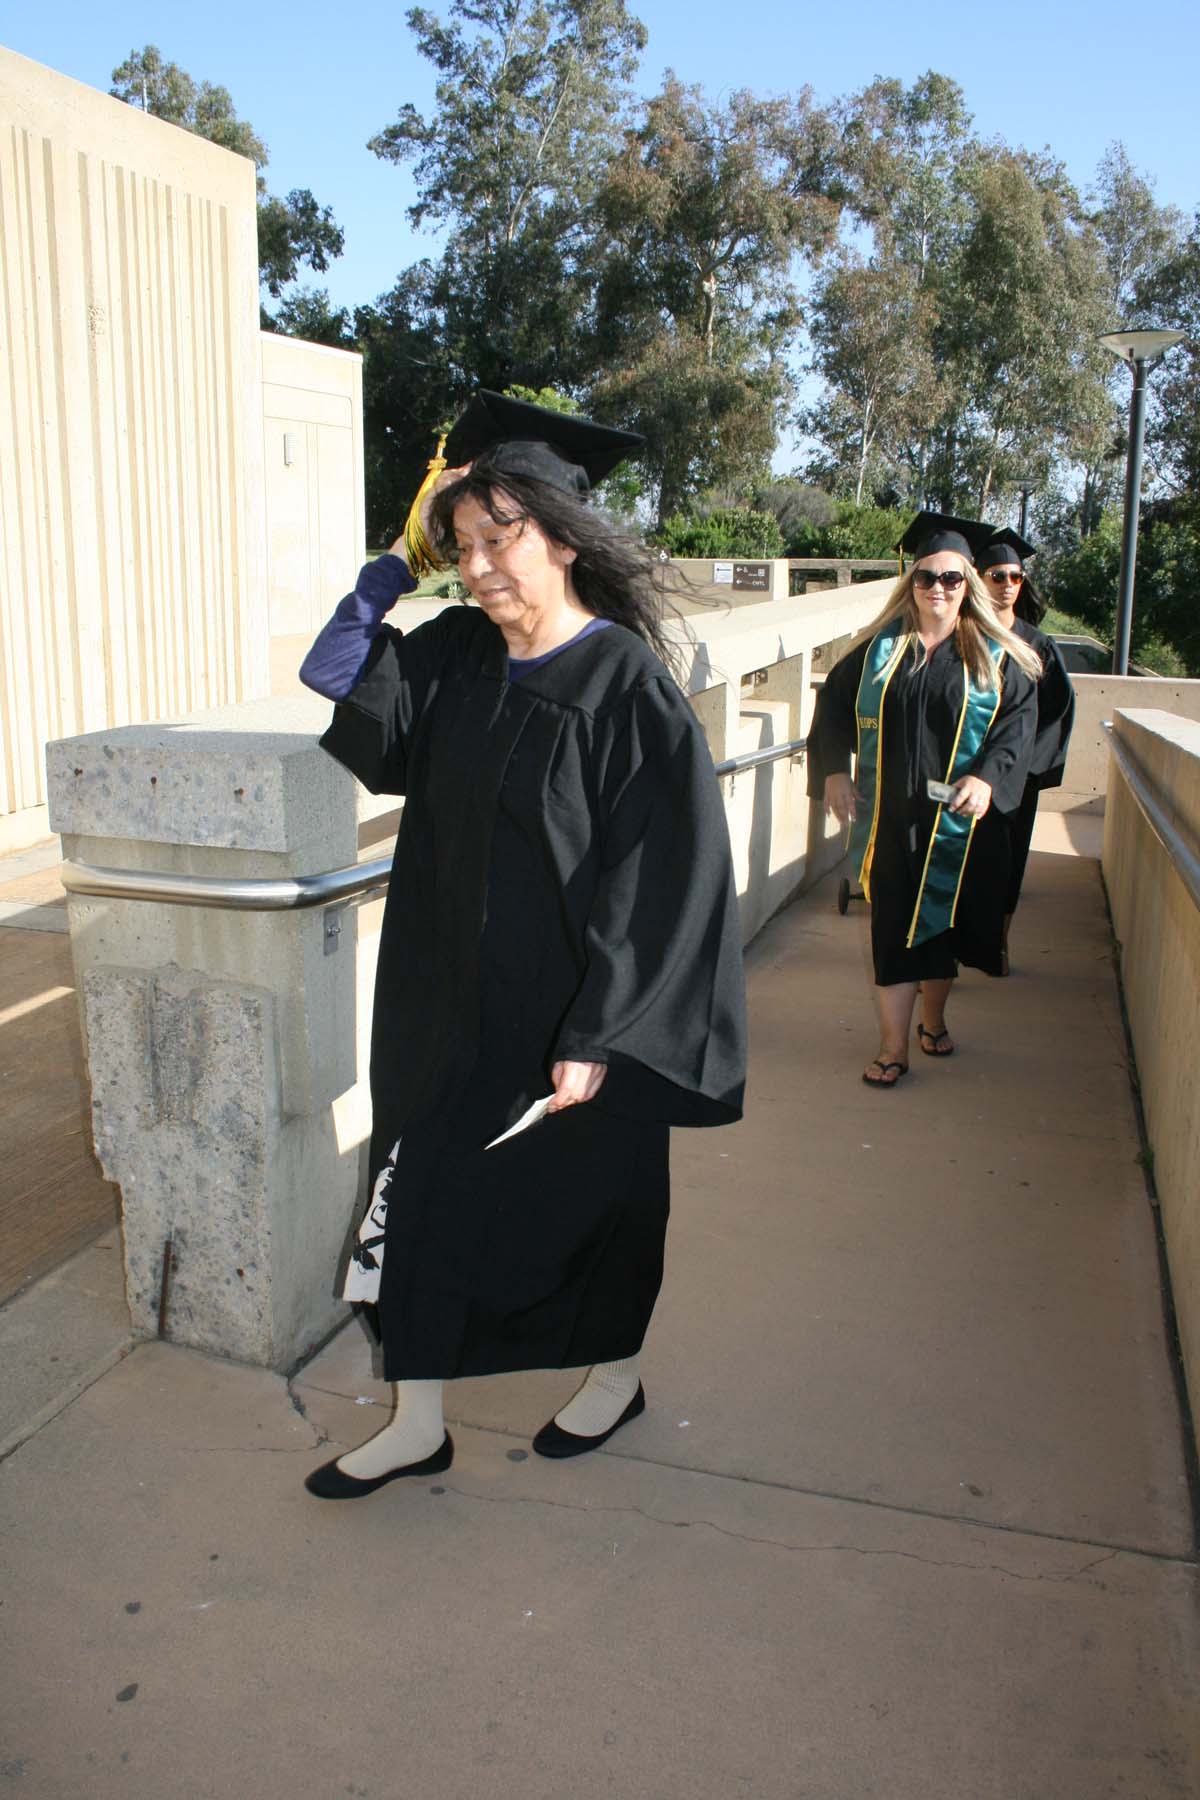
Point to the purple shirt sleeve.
(335, 662)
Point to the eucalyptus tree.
(1169, 296)
(529, 99)
(1139, 236)
(870, 332)
(1019, 327)
(903, 158)
(708, 209)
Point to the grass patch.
(1061, 624)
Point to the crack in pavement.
(1187, 1559)
(770, 1543)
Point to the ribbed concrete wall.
(131, 504)
(1157, 925)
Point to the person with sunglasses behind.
(936, 703)
(1020, 608)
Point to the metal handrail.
(288, 893)
(754, 758)
(1183, 858)
(293, 893)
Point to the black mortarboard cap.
(931, 531)
(522, 439)
(1005, 546)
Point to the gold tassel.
(418, 551)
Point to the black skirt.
(545, 1252)
(977, 935)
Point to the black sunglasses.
(950, 579)
(1006, 577)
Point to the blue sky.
(317, 81)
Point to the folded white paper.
(531, 1116)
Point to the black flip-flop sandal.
(935, 1038)
(883, 1068)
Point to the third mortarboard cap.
(1005, 546)
(931, 531)
(559, 448)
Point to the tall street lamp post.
(1141, 350)
(1026, 485)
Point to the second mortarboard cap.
(1005, 546)
(519, 438)
(931, 531)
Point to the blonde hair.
(977, 622)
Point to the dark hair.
(1030, 605)
(613, 576)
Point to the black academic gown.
(561, 889)
(1055, 717)
(920, 719)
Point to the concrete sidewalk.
(908, 1514)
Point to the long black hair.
(1031, 605)
(614, 577)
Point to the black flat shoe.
(331, 1483)
(552, 1440)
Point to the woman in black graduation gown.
(936, 691)
(561, 921)
(1020, 607)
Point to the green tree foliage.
(959, 354)
(529, 100)
(904, 156)
(1166, 624)
(293, 231)
(307, 313)
(871, 333)
(737, 531)
(409, 390)
(1025, 377)
(707, 208)
(1168, 295)
(1138, 235)
(904, 161)
(870, 531)
(146, 80)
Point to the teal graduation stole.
(950, 839)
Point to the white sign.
(722, 574)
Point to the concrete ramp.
(907, 1516)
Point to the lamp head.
(1140, 346)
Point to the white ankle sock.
(599, 1403)
(416, 1429)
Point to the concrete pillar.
(223, 1046)
(790, 680)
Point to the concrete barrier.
(226, 1050)
(1097, 697)
(1157, 925)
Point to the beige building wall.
(313, 458)
(132, 566)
